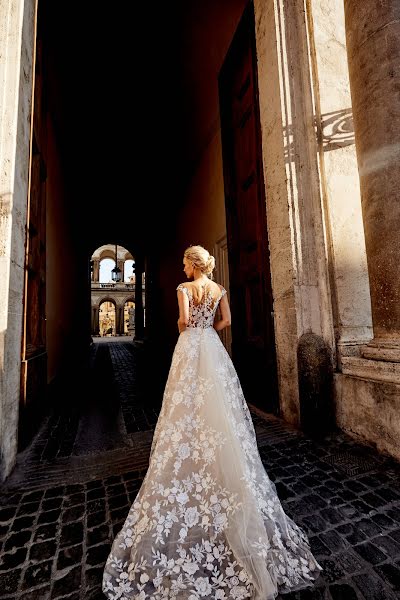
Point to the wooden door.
(220, 251)
(253, 341)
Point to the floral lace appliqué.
(207, 523)
(201, 314)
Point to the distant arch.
(108, 251)
(123, 295)
(107, 317)
(105, 267)
(106, 299)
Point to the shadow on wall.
(308, 133)
(335, 130)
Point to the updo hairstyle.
(201, 259)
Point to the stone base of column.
(374, 370)
(382, 349)
(368, 402)
(368, 399)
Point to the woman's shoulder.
(188, 285)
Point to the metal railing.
(112, 286)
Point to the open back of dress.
(207, 522)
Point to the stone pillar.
(340, 182)
(131, 325)
(95, 321)
(296, 220)
(139, 321)
(121, 263)
(120, 321)
(373, 47)
(96, 270)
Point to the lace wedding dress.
(207, 522)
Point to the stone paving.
(67, 498)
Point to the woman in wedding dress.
(207, 522)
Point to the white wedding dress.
(207, 523)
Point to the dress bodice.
(202, 314)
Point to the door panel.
(253, 340)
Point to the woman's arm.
(183, 303)
(225, 320)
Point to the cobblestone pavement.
(70, 494)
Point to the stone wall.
(17, 35)
(369, 390)
(296, 226)
(340, 185)
(369, 408)
(320, 279)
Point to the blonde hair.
(201, 259)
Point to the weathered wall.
(299, 266)
(17, 34)
(369, 389)
(368, 408)
(339, 176)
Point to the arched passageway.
(229, 158)
(114, 272)
(107, 318)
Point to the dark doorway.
(253, 340)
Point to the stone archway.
(105, 267)
(108, 317)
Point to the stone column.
(296, 220)
(95, 324)
(96, 270)
(340, 182)
(373, 47)
(120, 321)
(121, 263)
(93, 320)
(139, 322)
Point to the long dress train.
(207, 522)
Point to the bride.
(207, 522)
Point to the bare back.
(200, 291)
